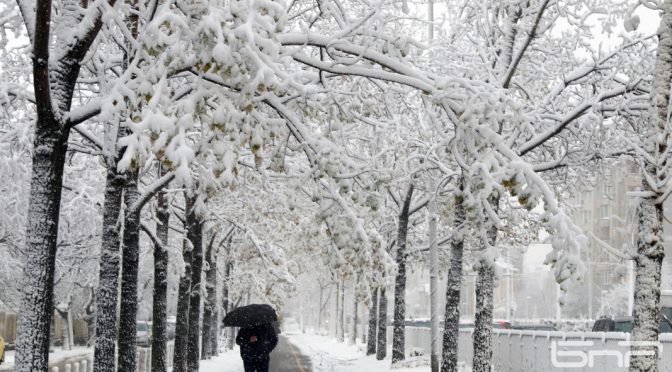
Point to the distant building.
(607, 215)
(527, 288)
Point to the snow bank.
(328, 355)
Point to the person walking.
(256, 343)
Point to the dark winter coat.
(266, 341)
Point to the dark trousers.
(256, 364)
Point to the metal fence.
(84, 362)
(515, 351)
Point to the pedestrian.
(256, 344)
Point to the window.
(623, 326)
(605, 211)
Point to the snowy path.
(285, 358)
(328, 355)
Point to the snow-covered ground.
(326, 355)
(228, 361)
(329, 355)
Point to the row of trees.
(265, 135)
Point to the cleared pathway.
(287, 358)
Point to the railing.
(84, 365)
(84, 362)
(73, 363)
(515, 351)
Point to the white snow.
(228, 361)
(328, 355)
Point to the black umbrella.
(250, 315)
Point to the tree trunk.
(433, 275)
(364, 324)
(454, 283)
(341, 313)
(127, 358)
(648, 266)
(399, 329)
(373, 324)
(183, 299)
(226, 302)
(650, 249)
(108, 285)
(232, 331)
(483, 321)
(195, 235)
(160, 300)
(50, 145)
(65, 329)
(214, 330)
(210, 301)
(381, 345)
(319, 310)
(107, 296)
(336, 312)
(32, 341)
(353, 329)
(485, 283)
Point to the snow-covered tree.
(652, 156)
